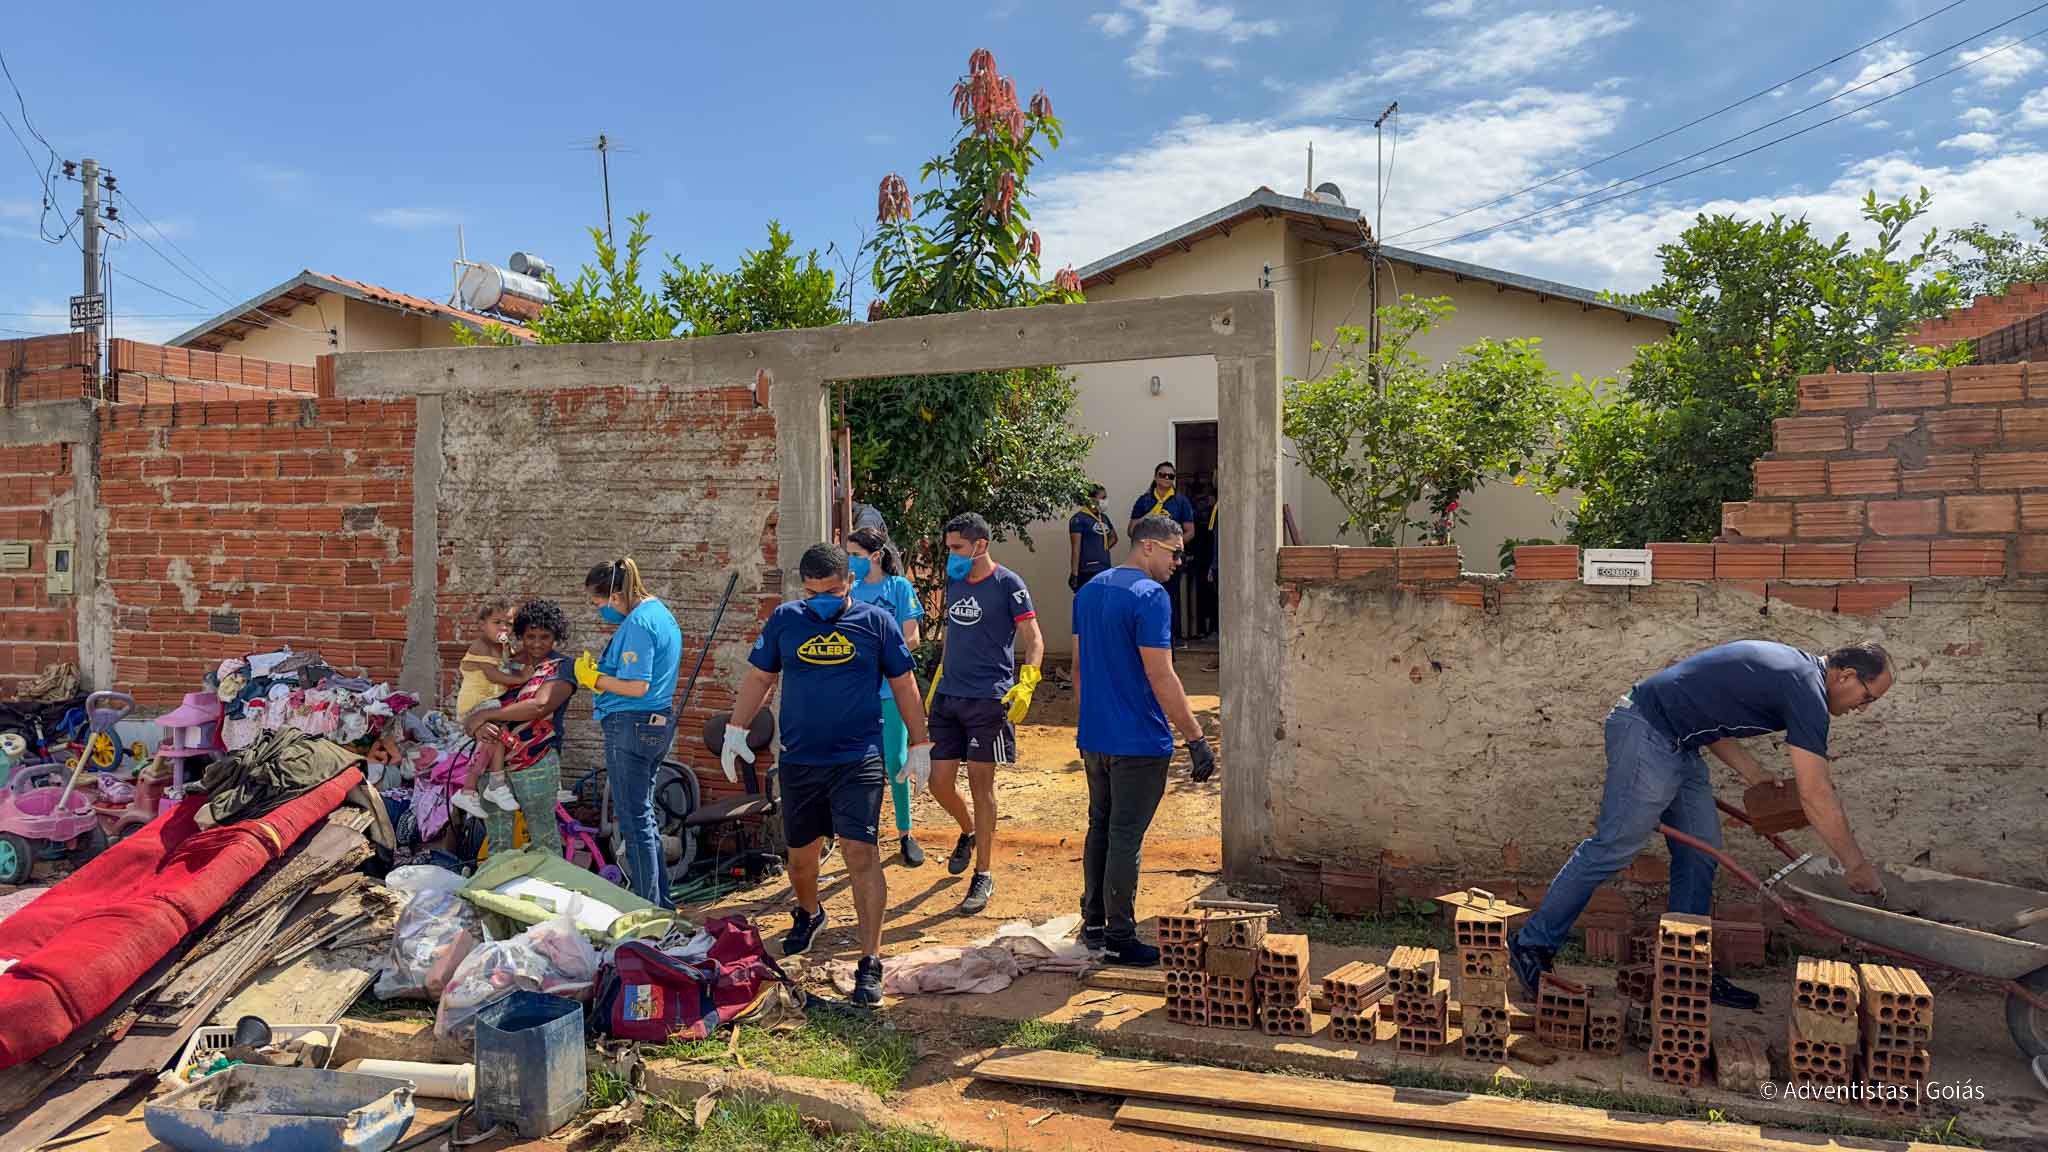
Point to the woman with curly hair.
(523, 733)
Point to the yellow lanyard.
(1213, 509)
(1092, 514)
(1159, 503)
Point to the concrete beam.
(1251, 652)
(53, 422)
(803, 448)
(419, 672)
(1223, 324)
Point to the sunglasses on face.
(1162, 475)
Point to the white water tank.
(487, 287)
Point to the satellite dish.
(1329, 193)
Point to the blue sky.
(352, 139)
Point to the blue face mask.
(957, 567)
(826, 605)
(611, 615)
(858, 565)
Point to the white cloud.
(1164, 19)
(1881, 61)
(411, 219)
(2033, 111)
(1199, 165)
(1220, 63)
(1450, 9)
(1978, 118)
(1513, 48)
(1972, 142)
(2004, 64)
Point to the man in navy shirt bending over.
(1655, 775)
(832, 653)
(1123, 673)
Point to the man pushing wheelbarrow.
(1712, 701)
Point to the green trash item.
(529, 888)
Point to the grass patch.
(368, 1007)
(1051, 1037)
(753, 1126)
(1417, 923)
(864, 1050)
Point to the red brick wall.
(36, 630)
(43, 368)
(237, 527)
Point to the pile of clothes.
(271, 691)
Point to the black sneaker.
(1132, 953)
(913, 854)
(979, 890)
(1729, 996)
(806, 926)
(867, 981)
(963, 854)
(1529, 964)
(1092, 937)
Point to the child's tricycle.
(43, 815)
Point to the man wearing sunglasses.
(1163, 499)
(1123, 674)
(1711, 700)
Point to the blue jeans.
(1650, 780)
(634, 744)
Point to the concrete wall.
(1452, 740)
(39, 503)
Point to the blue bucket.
(530, 1070)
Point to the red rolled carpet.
(81, 944)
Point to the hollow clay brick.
(1826, 520)
(1825, 561)
(1942, 472)
(1966, 514)
(1834, 392)
(1963, 428)
(1781, 478)
(1880, 432)
(1875, 477)
(1756, 519)
(1972, 557)
(1748, 562)
(1675, 561)
(1894, 559)
(1911, 389)
(1773, 806)
(1810, 434)
(1873, 599)
(1986, 384)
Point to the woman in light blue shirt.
(878, 579)
(635, 685)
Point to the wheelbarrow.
(1824, 905)
(43, 815)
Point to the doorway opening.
(1197, 607)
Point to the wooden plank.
(1405, 1107)
(317, 988)
(1266, 1131)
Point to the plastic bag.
(551, 957)
(436, 930)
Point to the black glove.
(1073, 583)
(1202, 761)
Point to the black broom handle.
(731, 582)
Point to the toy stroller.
(41, 820)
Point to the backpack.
(649, 995)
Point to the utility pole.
(604, 163)
(1373, 249)
(89, 178)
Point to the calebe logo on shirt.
(966, 610)
(830, 648)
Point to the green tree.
(1386, 431)
(997, 443)
(1987, 263)
(770, 291)
(1759, 303)
(605, 303)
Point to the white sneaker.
(468, 802)
(500, 793)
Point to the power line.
(217, 289)
(1693, 123)
(141, 283)
(1560, 208)
(43, 171)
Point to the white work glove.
(917, 767)
(735, 747)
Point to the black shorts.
(977, 731)
(844, 801)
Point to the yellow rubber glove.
(586, 671)
(932, 693)
(1019, 696)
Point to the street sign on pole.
(89, 311)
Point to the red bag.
(648, 995)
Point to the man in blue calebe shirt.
(1123, 673)
(833, 654)
(980, 692)
(1711, 700)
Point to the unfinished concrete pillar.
(1248, 431)
(803, 452)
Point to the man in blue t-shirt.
(980, 692)
(1091, 538)
(1123, 673)
(1162, 499)
(833, 654)
(1655, 775)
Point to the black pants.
(1123, 794)
(1174, 598)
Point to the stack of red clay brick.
(1281, 985)
(1562, 1009)
(1213, 963)
(1422, 1000)
(1354, 993)
(1681, 1027)
(1180, 949)
(1482, 983)
(1898, 1026)
(1821, 1037)
(1637, 984)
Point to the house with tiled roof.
(313, 314)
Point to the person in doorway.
(522, 735)
(878, 579)
(1124, 676)
(635, 685)
(980, 692)
(1163, 500)
(832, 654)
(1201, 565)
(1091, 539)
(1710, 700)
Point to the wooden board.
(1266, 1131)
(317, 988)
(1405, 1107)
